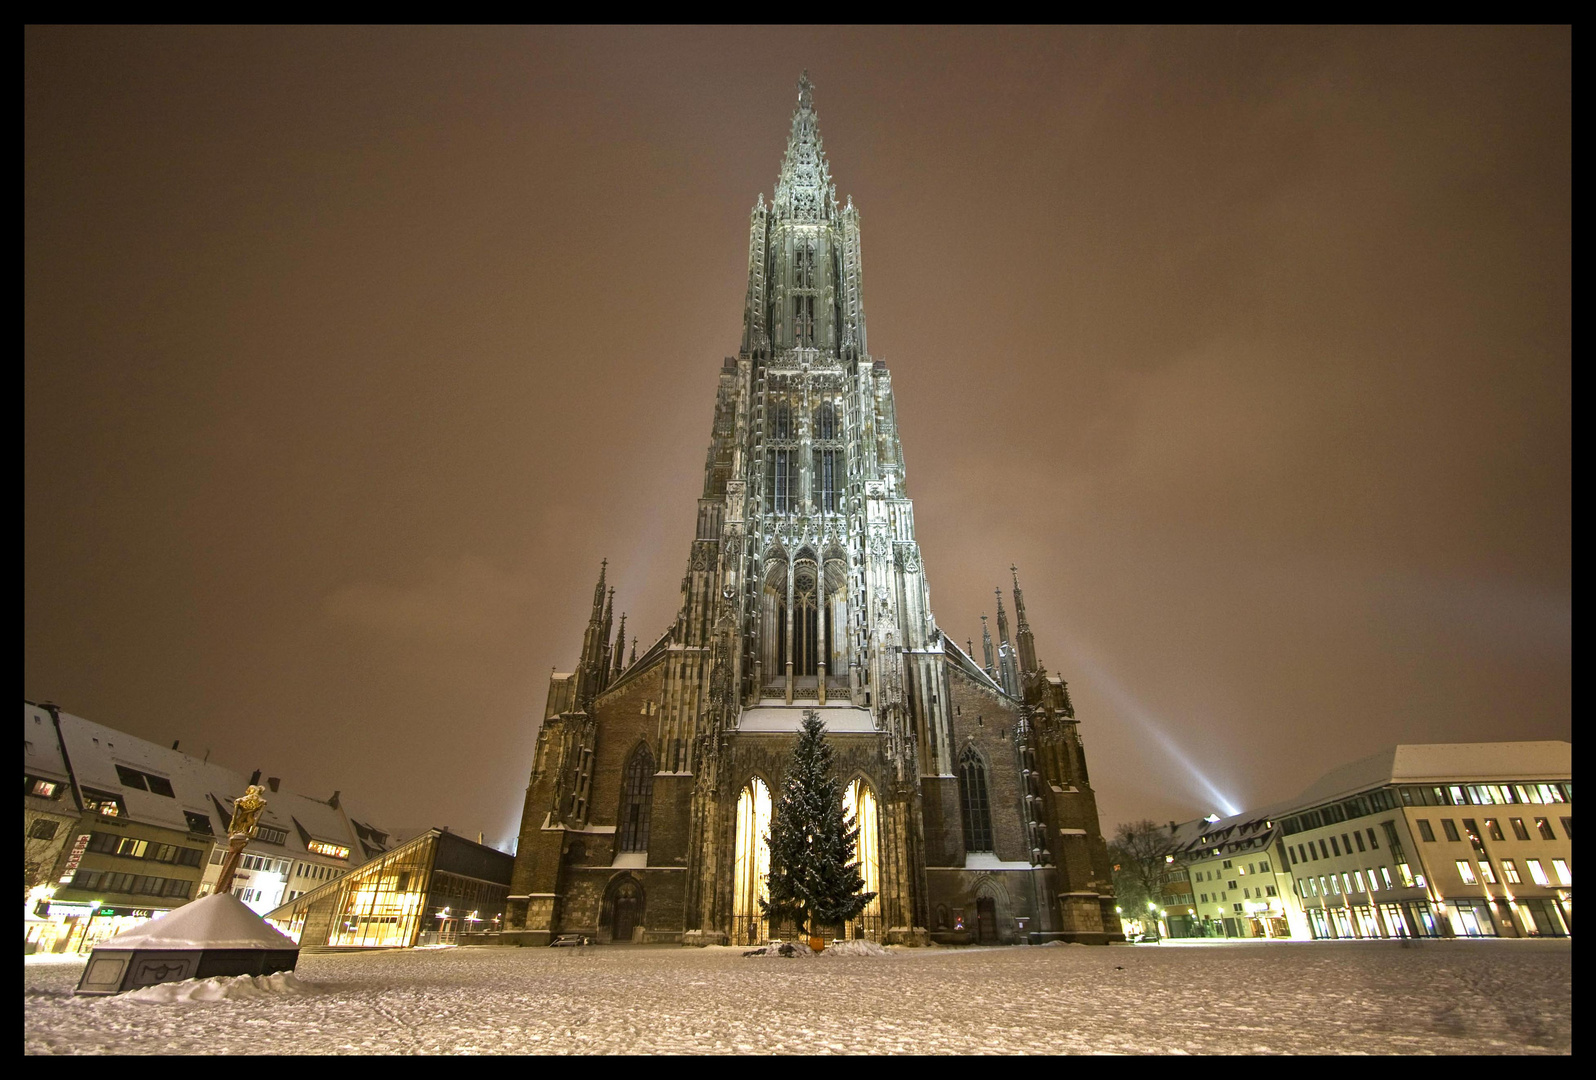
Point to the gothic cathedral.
(652, 782)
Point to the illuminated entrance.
(860, 801)
(752, 867)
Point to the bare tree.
(1139, 853)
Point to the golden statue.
(246, 812)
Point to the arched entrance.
(626, 909)
(859, 801)
(751, 869)
(986, 921)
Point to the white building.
(1443, 839)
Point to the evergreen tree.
(814, 868)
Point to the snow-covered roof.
(1420, 762)
(1403, 763)
(198, 786)
(787, 718)
(97, 750)
(218, 921)
(41, 751)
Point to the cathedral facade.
(653, 776)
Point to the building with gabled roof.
(136, 829)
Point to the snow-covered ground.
(1450, 997)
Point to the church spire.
(1025, 642)
(986, 647)
(594, 666)
(620, 648)
(1009, 677)
(804, 190)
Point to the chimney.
(479, 838)
(254, 777)
(333, 802)
(174, 743)
(272, 782)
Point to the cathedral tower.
(652, 781)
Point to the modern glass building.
(436, 888)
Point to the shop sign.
(67, 908)
(79, 846)
(130, 912)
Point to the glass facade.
(432, 889)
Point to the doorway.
(986, 921)
(627, 913)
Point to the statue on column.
(246, 813)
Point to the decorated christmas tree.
(814, 869)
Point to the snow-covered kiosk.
(213, 936)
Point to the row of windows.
(1247, 893)
(1487, 794)
(1494, 828)
(1373, 802)
(134, 884)
(1465, 870)
(1348, 883)
(1259, 867)
(133, 848)
(1313, 850)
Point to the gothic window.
(826, 421)
(783, 426)
(781, 480)
(973, 802)
(806, 625)
(636, 796)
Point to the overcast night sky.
(349, 353)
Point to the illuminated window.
(1457, 796)
(1545, 828)
(334, 851)
(1426, 833)
(1487, 875)
(1560, 868)
(1510, 871)
(1465, 871)
(1405, 874)
(1537, 873)
(1450, 829)
(1357, 880)
(44, 789)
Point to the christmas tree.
(814, 869)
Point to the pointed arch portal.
(751, 869)
(860, 802)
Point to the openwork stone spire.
(804, 190)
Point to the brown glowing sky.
(349, 353)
